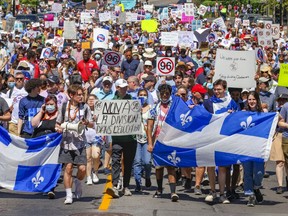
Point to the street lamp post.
(281, 14)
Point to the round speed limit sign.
(165, 66)
(112, 58)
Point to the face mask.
(11, 84)
(143, 99)
(207, 70)
(169, 54)
(97, 56)
(209, 85)
(165, 101)
(135, 57)
(50, 108)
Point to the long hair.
(53, 98)
(258, 102)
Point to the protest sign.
(52, 24)
(122, 18)
(91, 5)
(268, 24)
(58, 41)
(149, 8)
(118, 117)
(100, 37)
(128, 4)
(149, 25)
(10, 24)
(69, 30)
(48, 17)
(202, 10)
(237, 22)
(18, 26)
(56, 8)
(196, 24)
(189, 9)
(45, 54)
(186, 38)
(86, 45)
(220, 22)
(32, 34)
(265, 37)
(103, 17)
(85, 17)
(236, 67)
(165, 66)
(283, 76)
(186, 19)
(260, 54)
(246, 23)
(112, 58)
(275, 31)
(169, 38)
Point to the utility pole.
(281, 13)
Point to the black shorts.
(77, 157)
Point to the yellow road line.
(106, 199)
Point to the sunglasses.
(264, 71)
(19, 79)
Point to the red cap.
(198, 88)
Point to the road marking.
(104, 206)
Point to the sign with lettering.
(69, 30)
(283, 76)
(118, 117)
(236, 67)
(169, 38)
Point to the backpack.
(75, 78)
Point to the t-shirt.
(85, 68)
(28, 108)
(3, 108)
(284, 114)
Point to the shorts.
(107, 144)
(73, 156)
(97, 141)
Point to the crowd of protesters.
(39, 93)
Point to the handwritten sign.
(69, 30)
(103, 17)
(237, 22)
(220, 22)
(246, 22)
(283, 76)
(236, 67)
(169, 38)
(118, 117)
(186, 38)
(56, 7)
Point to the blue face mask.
(143, 99)
(207, 70)
(209, 85)
(50, 108)
(11, 84)
(97, 56)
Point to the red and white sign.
(268, 24)
(275, 31)
(112, 58)
(58, 41)
(246, 22)
(165, 66)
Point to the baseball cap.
(198, 88)
(54, 79)
(148, 63)
(121, 83)
(23, 64)
(107, 78)
(263, 80)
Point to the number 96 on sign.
(165, 66)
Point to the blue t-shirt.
(28, 108)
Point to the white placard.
(58, 41)
(169, 38)
(275, 31)
(56, 7)
(237, 22)
(220, 22)
(265, 37)
(52, 24)
(186, 38)
(85, 17)
(246, 22)
(103, 17)
(189, 9)
(112, 58)
(32, 34)
(236, 67)
(100, 37)
(202, 10)
(268, 24)
(149, 8)
(165, 66)
(118, 117)
(69, 30)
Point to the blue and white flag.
(195, 137)
(29, 165)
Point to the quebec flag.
(29, 165)
(195, 137)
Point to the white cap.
(121, 83)
(17, 36)
(148, 63)
(107, 78)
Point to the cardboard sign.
(165, 66)
(32, 34)
(169, 38)
(236, 67)
(91, 5)
(112, 58)
(100, 38)
(186, 19)
(118, 117)
(69, 30)
(283, 76)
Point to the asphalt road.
(22, 204)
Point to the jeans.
(253, 175)
(142, 158)
(128, 149)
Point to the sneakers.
(89, 180)
(51, 195)
(120, 184)
(127, 192)
(251, 201)
(174, 197)
(158, 194)
(148, 183)
(113, 192)
(95, 178)
(211, 197)
(78, 189)
(197, 190)
(68, 200)
(258, 195)
(279, 190)
(205, 180)
(223, 199)
(232, 195)
(188, 184)
(266, 175)
(107, 171)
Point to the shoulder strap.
(11, 91)
(64, 106)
